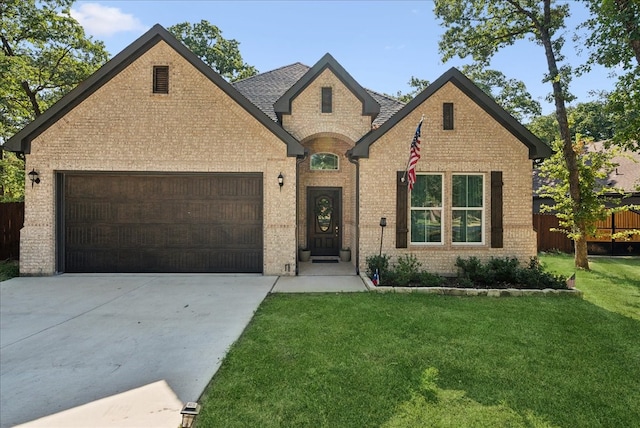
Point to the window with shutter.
(402, 203)
(496, 210)
(161, 79)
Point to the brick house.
(157, 164)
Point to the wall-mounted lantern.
(34, 177)
(280, 181)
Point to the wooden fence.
(11, 221)
(600, 245)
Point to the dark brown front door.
(324, 220)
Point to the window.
(324, 162)
(426, 209)
(447, 116)
(467, 211)
(161, 79)
(327, 96)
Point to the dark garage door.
(161, 223)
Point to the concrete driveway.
(122, 350)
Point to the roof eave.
(21, 142)
(537, 149)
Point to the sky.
(382, 44)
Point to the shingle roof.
(264, 89)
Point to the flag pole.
(404, 176)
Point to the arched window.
(324, 162)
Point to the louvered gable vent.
(161, 79)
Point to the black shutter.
(402, 202)
(326, 100)
(496, 209)
(160, 79)
(447, 116)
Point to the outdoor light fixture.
(33, 176)
(280, 180)
(189, 413)
(383, 223)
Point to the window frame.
(482, 209)
(337, 158)
(440, 208)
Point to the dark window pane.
(327, 100)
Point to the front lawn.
(371, 359)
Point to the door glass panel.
(323, 213)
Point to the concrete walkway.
(127, 350)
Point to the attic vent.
(160, 79)
(326, 100)
(447, 116)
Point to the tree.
(589, 119)
(419, 85)
(205, 40)
(596, 203)
(45, 53)
(511, 94)
(614, 42)
(482, 27)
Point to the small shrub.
(9, 269)
(507, 272)
(381, 263)
(406, 270)
(428, 279)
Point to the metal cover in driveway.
(162, 222)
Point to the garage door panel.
(163, 223)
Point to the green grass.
(8, 270)
(612, 283)
(405, 360)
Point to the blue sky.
(380, 43)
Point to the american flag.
(414, 156)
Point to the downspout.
(299, 161)
(356, 162)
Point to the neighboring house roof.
(537, 149)
(625, 176)
(21, 142)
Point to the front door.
(324, 220)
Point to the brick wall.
(478, 144)
(125, 127)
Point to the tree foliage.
(45, 54)
(511, 94)
(614, 42)
(589, 119)
(205, 40)
(596, 203)
(481, 28)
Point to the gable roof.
(21, 142)
(266, 88)
(369, 106)
(537, 149)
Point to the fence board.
(11, 221)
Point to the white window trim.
(324, 170)
(441, 208)
(483, 232)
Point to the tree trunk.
(581, 260)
